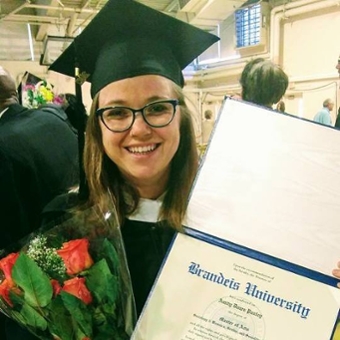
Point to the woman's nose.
(140, 127)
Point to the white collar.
(147, 210)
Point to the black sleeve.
(13, 225)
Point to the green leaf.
(60, 320)
(79, 335)
(79, 311)
(102, 284)
(33, 318)
(110, 331)
(111, 255)
(33, 281)
(18, 317)
(99, 317)
(17, 299)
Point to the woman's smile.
(142, 149)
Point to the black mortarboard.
(128, 39)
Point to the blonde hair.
(106, 184)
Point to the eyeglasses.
(120, 118)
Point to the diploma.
(207, 292)
(262, 236)
(270, 182)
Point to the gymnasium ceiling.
(66, 18)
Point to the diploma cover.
(262, 236)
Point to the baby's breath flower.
(46, 257)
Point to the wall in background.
(303, 41)
(309, 55)
(302, 38)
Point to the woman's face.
(142, 153)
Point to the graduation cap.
(127, 39)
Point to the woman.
(147, 169)
(140, 148)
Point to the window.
(248, 26)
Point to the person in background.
(337, 122)
(72, 107)
(34, 165)
(263, 82)
(38, 160)
(324, 115)
(236, 96)
(281, 107)
(207, 125)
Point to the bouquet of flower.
(70, 282)
(39, 94)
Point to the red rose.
(76, 287)
(76, 256)
(56, 287)
(5, 288)
(4, 292)
(6, 265)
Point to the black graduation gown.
(146, 245)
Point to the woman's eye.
(160, 109)
(116, 113)
(157, 108)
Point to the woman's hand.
(336, 272)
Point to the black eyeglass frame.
(173, 102)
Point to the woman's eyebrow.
(122, 102)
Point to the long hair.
(263, 82)
(106, 184)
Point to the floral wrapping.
(70, 282)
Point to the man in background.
(281, 107)
(263, 82)
(324, 115)
(207, 126)
(337, 122)
(38, 161)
